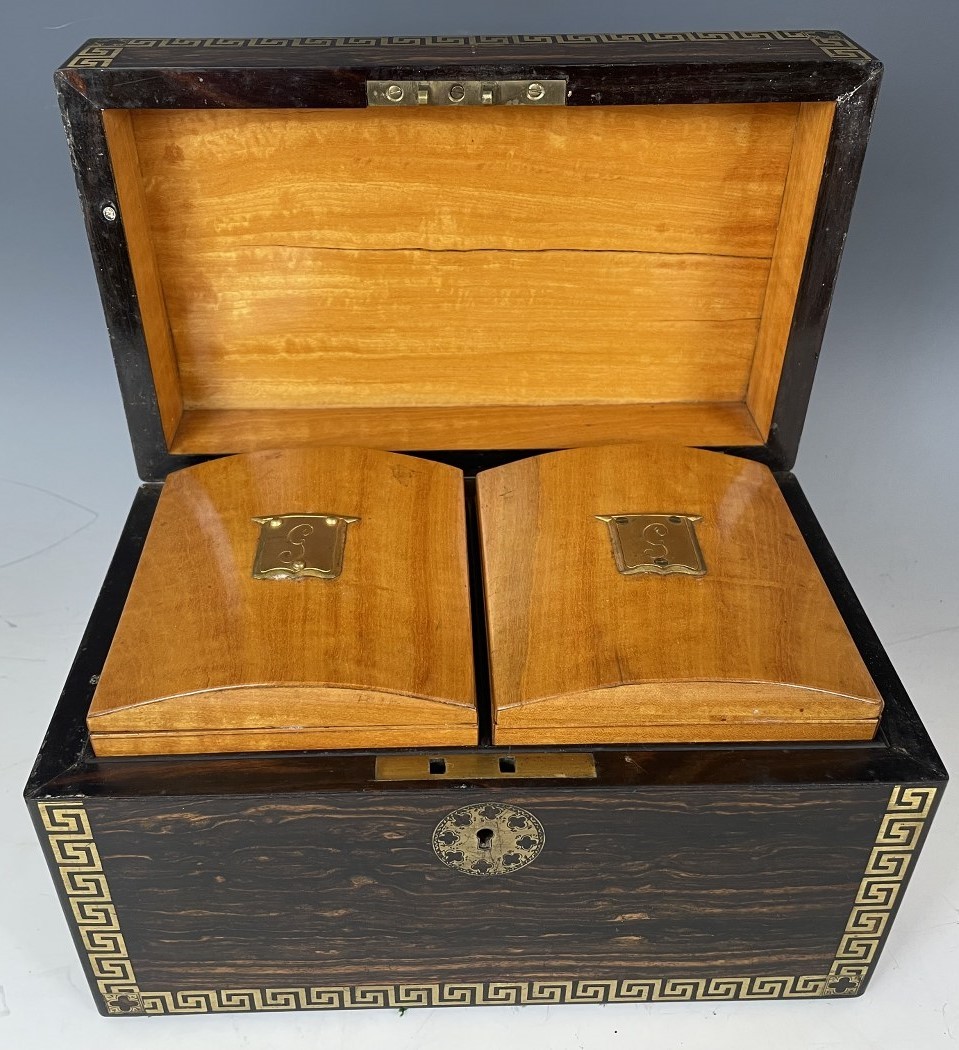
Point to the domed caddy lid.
(648, 593)
(315, 598)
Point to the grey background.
(877, 461)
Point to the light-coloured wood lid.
(506, 277)
(208, 658)
(580, 652)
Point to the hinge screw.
(394, 93)
(109, 212)
(457, 93)
(535, 92)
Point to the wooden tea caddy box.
(471, 725)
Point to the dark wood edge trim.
(103, 52)
(900, 725)
(65, 830)
(86, 138)
(65, 744)
(837, 194)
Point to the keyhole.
(484, 838)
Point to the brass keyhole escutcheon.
(490, 838)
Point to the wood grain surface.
(402, 328)
(755, 649)
(789, 257)
(345, 888)
(214, 431)
(675, 179)
(508, 264)
(380, 654)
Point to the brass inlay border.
(85, 884)
(901, 828)
(88, 894)
(99, 55)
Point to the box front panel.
(350, 900)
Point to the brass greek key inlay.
(86, 890)
(85, 885)
(99, 55)
(899, 833)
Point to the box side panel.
(331, 901)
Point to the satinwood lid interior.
(443, 278)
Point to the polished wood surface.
(208, 658)
(401, 328)
(638, 882)
(756, 649)
(212, 431)
(677, 179)
(325, 738)
(516, 266)
(789, 255)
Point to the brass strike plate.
(655, 543)
(295, 546)
(466, 92)
(486, 767)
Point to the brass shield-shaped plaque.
(294, 546)
(655, 543)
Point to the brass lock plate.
(488, 839)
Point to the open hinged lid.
(283, 264)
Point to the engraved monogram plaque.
(295, 546)
(655, 543)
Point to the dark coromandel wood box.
(469, 640)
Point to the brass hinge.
(466, 92)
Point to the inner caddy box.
(469, 640)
